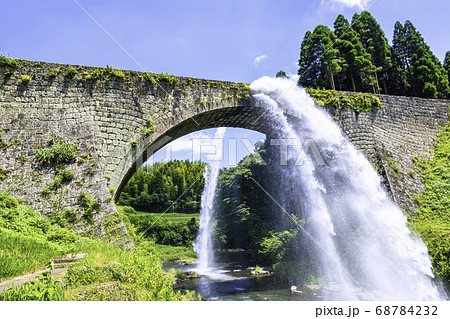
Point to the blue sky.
(234, 40)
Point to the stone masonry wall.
(393, 135)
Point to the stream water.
(231, 279)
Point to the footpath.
(60, 267)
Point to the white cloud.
(198, 146)
(259, 59)
(185, 143)
(337, 4)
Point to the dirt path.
(61, 266)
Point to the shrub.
(149, 127)
(61, 235)
(164, 77)
(90, 206)
(71, 72)
(8, 64)
(7, 201)
(25, 79)
(60, 153)
(114, 72)
(42, 288)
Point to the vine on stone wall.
(360, 102)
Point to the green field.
(170, 215)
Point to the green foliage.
(52, 73)
(115, 274)
(134, 142)
(295, 273)
(71, 72)
(447, 64)
(149, 128)
(114, 72)
(273, 247)
(8, 65)
(169, 253)
(42, 288)
(163, 231)
(425, 74)
(61, 235)
(390, 76)
(164, 77)
(245, 93)
(61, 152)
(148, 77)
(3, 174)
(357, 68)
(358, 57)
(432, 220)
(23, 253)
(64, 177)
(155, 188)
(281, 74)
(8, 62)
(247, 218)
(391, 164)
(360, 102)
(95, 75)
(319, 62)
(179, 274)
(89, 205)
(25, 79)
(28, 242)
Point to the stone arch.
(252, 118)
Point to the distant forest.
(155, 188)
(358, 57)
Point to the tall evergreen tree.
(390, 77)
(358, 71)
(447, 64)
(319, 61)
(308, 63)
(425, 74)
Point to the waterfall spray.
(203, 243)
(365, 248)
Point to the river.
(231, 279)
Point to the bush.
(90, 206)
(273, 247)
(7, 201)
(60, 153)
(71, 72)
(149, 127)
(25, 79)
(61, 235)
(42, 288)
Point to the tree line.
(157, 187)
(357, 57)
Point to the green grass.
(176, 216)
(20, 254)
(432, 220)
(170, 253)
(168, 215)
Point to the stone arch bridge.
(107, 113)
